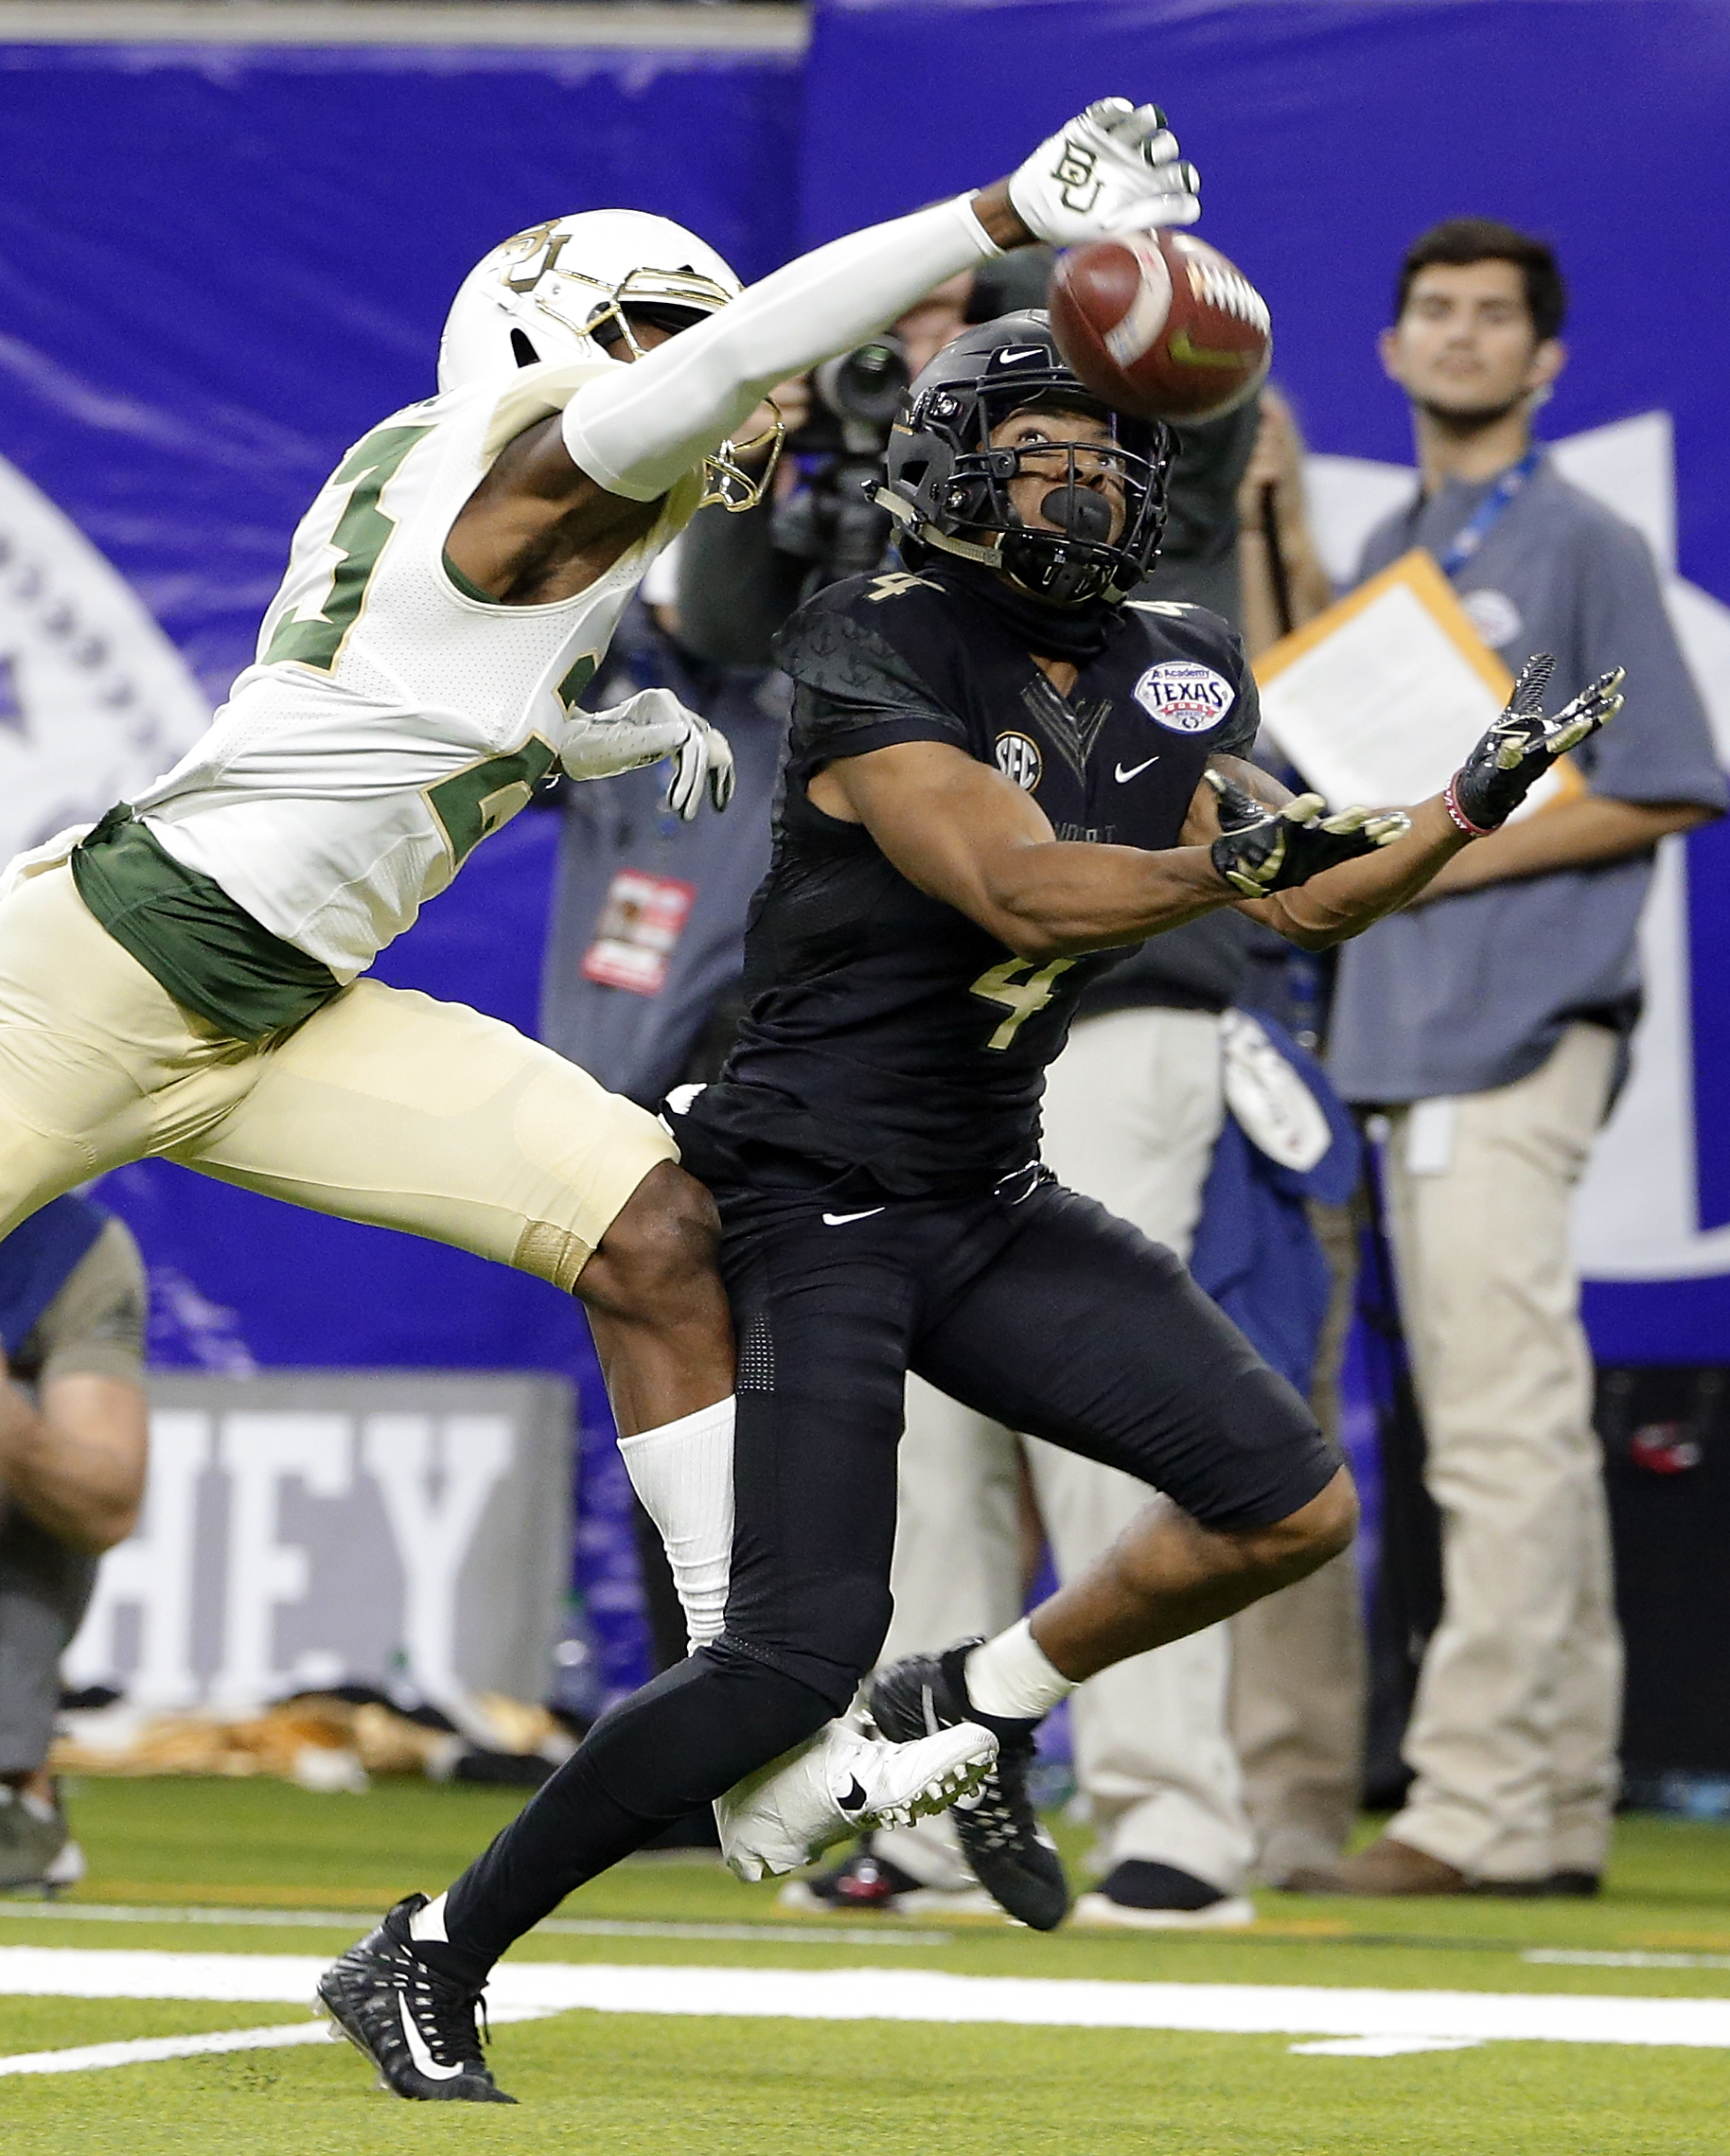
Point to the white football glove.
(1114, 169)
(703, 755)
(643, 730)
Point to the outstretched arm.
(566, 498)
(961, 832)
(1317, 905)
(1113, 169)
(1339, 902)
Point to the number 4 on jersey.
(1020, 999)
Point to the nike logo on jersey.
(424, 2061)
(840, 1219)
(854, 1798)
(1134, 770)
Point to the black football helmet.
(949, 489)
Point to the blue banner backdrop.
(1329, 133)
(218, 266)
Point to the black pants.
(1029, 1303)
(1035, 1306)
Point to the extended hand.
(1261, 850)
(643, 730)
(704, 754)
(1522, 743)
(1114, 169)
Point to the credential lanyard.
(1482, 521)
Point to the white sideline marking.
(143, 2050)
(566, 1927)
(1383, 2046)
(919, 1995)
(147, 2050)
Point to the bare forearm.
(82, 1490)
(1343, 902)
(1060, 899)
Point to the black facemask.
(1077, 633)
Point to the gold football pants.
(384, 1107)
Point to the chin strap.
(903, 512)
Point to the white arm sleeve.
(641, 428)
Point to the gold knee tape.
(552, 1254)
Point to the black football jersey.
(887, 1034)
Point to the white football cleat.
(839, 1783)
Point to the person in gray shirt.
(74, 1441)
(1490, 1020)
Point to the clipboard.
(1379, 699)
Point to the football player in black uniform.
(1000, 772)
(1003, 773)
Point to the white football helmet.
(560, 292)
(544, 294)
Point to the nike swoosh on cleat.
(854, 1798)
(1135, 771)
(424, 2061)
(840, 1219)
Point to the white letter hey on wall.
(432, 1533)
(260, 1451)
(152, 1571)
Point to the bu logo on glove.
(1076, 170)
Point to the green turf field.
(621, 2083)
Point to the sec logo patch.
(1185, 696)
(1019, 760)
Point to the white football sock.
(684, 1474)
(1011, 1676)
(428, 1923)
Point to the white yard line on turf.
(921, 1995)
(148, 2050)
(567, 1927)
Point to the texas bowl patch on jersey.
(1185, 696)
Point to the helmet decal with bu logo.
(948, 485)
(570, 289)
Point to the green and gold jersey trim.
(189, 935)
(467, 585)
(358, 536)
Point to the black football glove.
(1263, 849)
(1522, 743)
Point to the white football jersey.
(392, 719)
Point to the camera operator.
(740, 576)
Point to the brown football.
(1161, 325)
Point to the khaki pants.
(1513, 1732)
(384, 1107)
(1133, 1109)
(1299, 1676)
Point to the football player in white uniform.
(187, 976)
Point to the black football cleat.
(421, 2030)
(1012, 1857)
